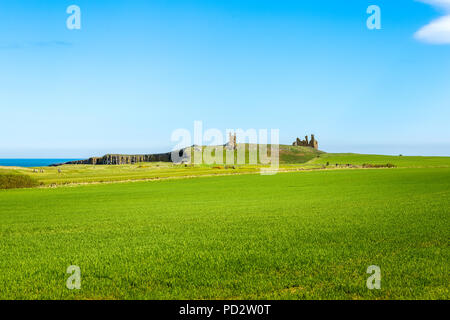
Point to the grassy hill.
(294, 154)
(288, 154)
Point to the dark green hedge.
(12, 181)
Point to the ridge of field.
(305, 235)
(292, 158)
(398, 161)
(74, 174)
(79, 174)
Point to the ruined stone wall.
(313, 143)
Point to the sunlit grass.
(306, 235)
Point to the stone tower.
(231, 145)
(313, 143)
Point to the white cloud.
(445, 4)
(437, 31)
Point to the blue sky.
(138, 70)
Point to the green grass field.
(302, 235)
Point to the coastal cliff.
(116, 159)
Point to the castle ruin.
(118, 159)
(231, 145)
(313, 143)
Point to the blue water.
(32, 162)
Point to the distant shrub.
(387, 165)
(13, 181)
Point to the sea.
(29, 163)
